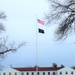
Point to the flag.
(41, 31)
(40, 21)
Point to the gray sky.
(21, 26)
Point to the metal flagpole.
(36, 48)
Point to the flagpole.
(36, 48)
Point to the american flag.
(40, 21)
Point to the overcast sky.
(21, 26)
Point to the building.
(41, 71)
(66, 71)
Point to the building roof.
(39, 68)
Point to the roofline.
(39, 68)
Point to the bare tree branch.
(59, 11)
(2, 15)
(5, 46)
(11, 47)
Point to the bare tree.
(6, 47)
(54, 65)
(62, 65)
(73, 67)
(64, 14)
